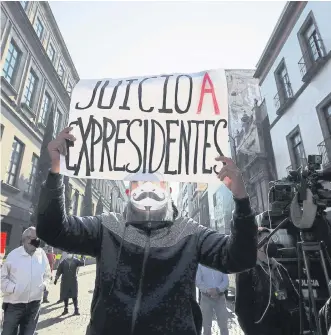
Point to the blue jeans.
(24, 316)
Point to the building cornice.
(18, 15)
(281, 32)
(59, 37)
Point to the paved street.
(51, 322)
(234, 328)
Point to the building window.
(61, 71)
(297, 150)
(51, 52)
(57, 123)
(285, 82)
(284, 87)
(104, 189)
(75, 203)
(69, 89)
(313, 42)
(39, 28)
(311, 45)
(324, 116)
(24, 4)
(119, 206)
(327, 115)
(2, 128)
(11, 62)
(45, 109)
(15, 162)
(30, 88)
(33, 174)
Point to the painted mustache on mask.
(150, 195)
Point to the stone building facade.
(37, 72)
(249, 136)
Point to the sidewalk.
(51, 322)
(87, 269)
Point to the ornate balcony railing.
(303, 164)
(323, 150)
(277, 101)
(281, 99)
(313, 54)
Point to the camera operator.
(267, 302)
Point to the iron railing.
(280, 100)
(313, 54)
(277, 101)
(303, 164)
(323, 150)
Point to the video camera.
(282, 192)
(297, 207)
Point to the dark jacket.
(69, 284)
(325, 317)
(252, 296)
(145, 275)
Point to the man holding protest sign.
(146, 260)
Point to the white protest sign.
(174, 125)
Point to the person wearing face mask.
(146, 257)
(69, 285)
(256, 314)
(24, 277)
(63, 257)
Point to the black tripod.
(306, 250)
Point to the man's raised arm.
(238, 251)
(71, 233)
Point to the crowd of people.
(24, 293)
(26, 276)
(149, 262)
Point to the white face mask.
(149, 201)
(146, 195)
(70, 256)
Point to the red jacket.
(51, 259)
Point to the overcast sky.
(114, 39)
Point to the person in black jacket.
(145, 272)
(68, 270)
(256, 314)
